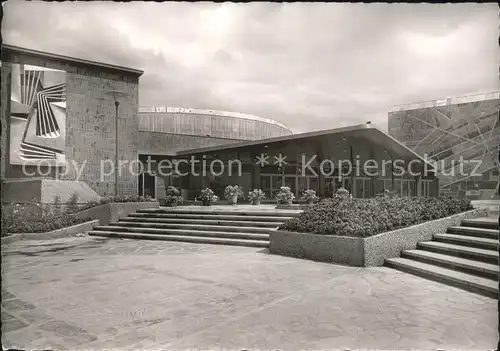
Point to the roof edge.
(274, 139)
(420, 157)
(450, 100)
(208, 112)
(300, 136)
(70, 59)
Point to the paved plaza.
(93, 293)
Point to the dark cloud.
(307, 65)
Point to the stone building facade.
(89, 120)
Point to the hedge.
(355, 217)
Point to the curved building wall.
(208, 123)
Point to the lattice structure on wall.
(459, 137)
(37, 114)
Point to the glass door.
(276, 184)
(359, 188)
(302, 185)
(313, 184)
(363, 187)
(347, 184)
(265, 185)
(405, 188)
(425, 188)
(291, 182)
(148, 185)
(368, 187)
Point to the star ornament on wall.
(280, 160)
(262, 160)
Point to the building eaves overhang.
(21, 50)
(369, 131)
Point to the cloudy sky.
(309, 66)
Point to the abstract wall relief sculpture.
(37, 115)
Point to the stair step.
(471, 231)
(184, 232)
(280, 219)
(483, 286)
(487, 223)
(280, 213)
(201, 227)
(201, 221)
(469, 241)
(489, 256)
(485, 270)
(181, 238)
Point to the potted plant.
(207, 197)
(255, 196)
(342, 193)
(310, 196)
(232, 192)
(285, 195)
(172, 198)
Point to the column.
(353, 179)
(418, 191)
(321, 177)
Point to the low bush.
(118, 198)
(347, 216)
(34, 218)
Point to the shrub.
(34, 218)
(285, 195)
(57, 204)
(348, 216)
(118, 198)
(73, 202)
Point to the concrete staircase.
(466, 257)
(223, 227)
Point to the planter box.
(55, 234)
(362, 252)
(112, 211)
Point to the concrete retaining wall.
(317, 247)
(361, 252)
(390, 244)
(55, 234)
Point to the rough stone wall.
(90, 121)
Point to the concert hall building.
(63, 116)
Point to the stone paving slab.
(91, 293)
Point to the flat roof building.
(359, 158)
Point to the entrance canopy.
(338, 143)
(362, 158)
